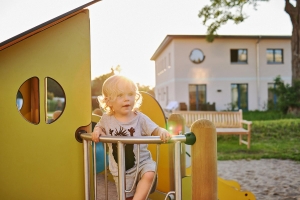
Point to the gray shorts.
(145, 166)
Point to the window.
(197, 95)
(239, 97)
(197, 56)
(56, 100)
(238, 56)
(28, 100)
(274, 56)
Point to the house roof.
(169, 38)
(43, 26)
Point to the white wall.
(164, 76)
(218, 73)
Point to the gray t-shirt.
(140, 125)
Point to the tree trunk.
(294, 111)
(294, 13)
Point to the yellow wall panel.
(44, 161)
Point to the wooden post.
(204, 161)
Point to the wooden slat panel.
(225, 119)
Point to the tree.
(146, 88)
(222, 11)
(54, 88)
(98, 82)
(288, 96)
(118, 69)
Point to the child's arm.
(163, 133)
(98, 131)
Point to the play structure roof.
(43, 26)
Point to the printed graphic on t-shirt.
(129, 155)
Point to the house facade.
(233, 72)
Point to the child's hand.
(164, 135)
(97, 133)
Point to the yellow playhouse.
(41, 160)
(42, 156)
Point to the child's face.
(123, 103)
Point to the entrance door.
(239, 96)
(197, 96)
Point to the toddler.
(121, 100)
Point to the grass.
(277, 138)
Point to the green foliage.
(270, 139)
(50, 95)
(222, 11)
(146, 88)
(266, 115)
(271, 105)
(288, 96)
(277, 128)
(55, 88)
(19, 95)
(274, 135)
(51, 105)
(98, 82)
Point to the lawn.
(276, 138)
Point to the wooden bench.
(226, 122)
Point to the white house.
(234, 72)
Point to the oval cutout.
(56, 100)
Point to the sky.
(127, 32)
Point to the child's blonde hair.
(115, 85)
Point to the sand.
(267, 179)
(111, 187)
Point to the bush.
(266, 115)
(288, 96)
(50, 95)
(52, 105)
(277, 128)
